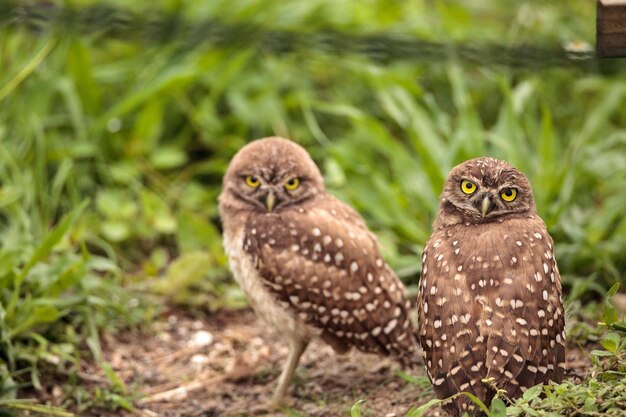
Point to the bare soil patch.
(226, 364)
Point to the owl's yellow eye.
(508, 194)
(468, 187)
(252, 181)
(292, 184)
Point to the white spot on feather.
(390, 326)
(338, 257)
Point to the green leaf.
(478, 402)
(27, 69)
(613, 290)
(423, 408)
(168, 158)
(112, 376)
(81, 69)
(197, 233)
(532, 393)
(421, 381)
(42, 251)
(610, 342)
(185, 270)
(621, 326)
(115, 231)
(31, 315)
(9, 195)
(609, 314)
(355, 411)
(157, 212)
(596, 352)
(46, 410)
(498, 408)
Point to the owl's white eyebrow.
(302, 178)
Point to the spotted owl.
(307, 262)
(490, 309)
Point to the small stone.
(200, 338)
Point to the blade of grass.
(27, 69)
(41, 252)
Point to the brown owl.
(306, 261)
(489, 301)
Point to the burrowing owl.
(490, 295)
(306, 261)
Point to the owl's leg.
(297, 349)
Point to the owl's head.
(269, 175)
(483, 190)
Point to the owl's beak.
(270, 201)
(485, 204)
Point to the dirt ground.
(226, 364)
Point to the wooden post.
(611, 29)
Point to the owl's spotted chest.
(482, 256)
(261, 300)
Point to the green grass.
(140, 125)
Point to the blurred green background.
(118, 119)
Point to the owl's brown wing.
(529, 349)
(454, 351)
(323, 263)
(483, 311)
